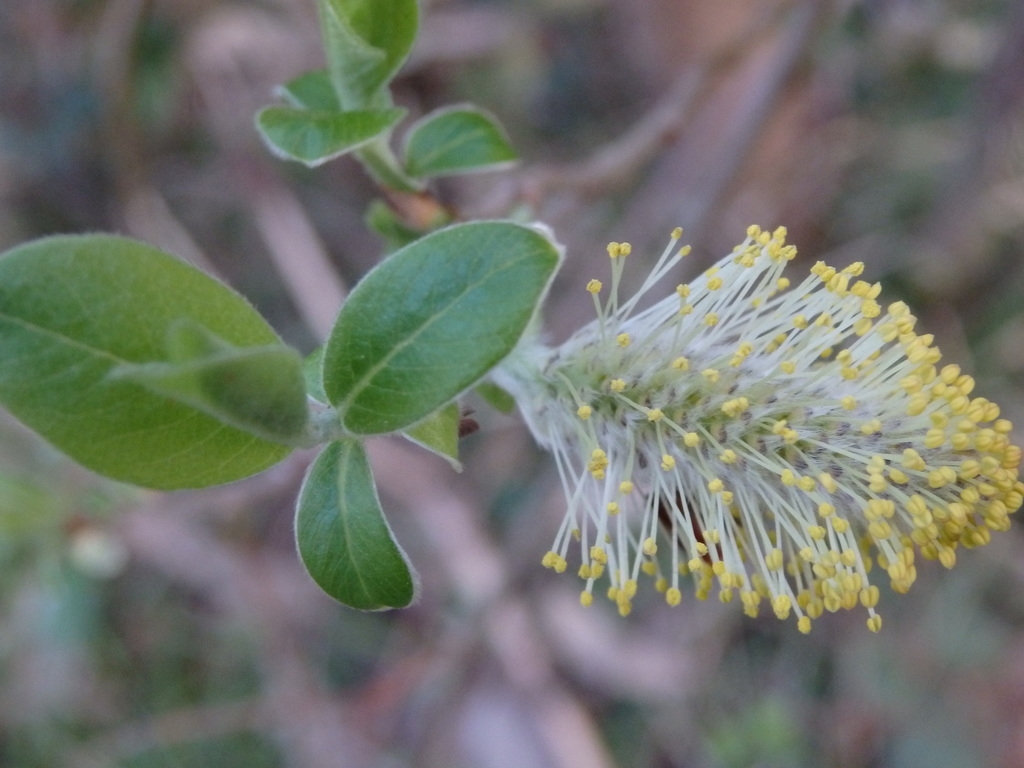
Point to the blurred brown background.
(140, 630)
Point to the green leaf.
(495, 396)
(366, 42)
(256, 389)
(439, 433)
(313, 374)
(72, 308)
(386, 223)
(342, 536)
(456, 140)
(313, 91)
(313, 138)
(432, 319)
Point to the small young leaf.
(342, 536)
(439, 433)
(72, 308)
(313, 91)
(386, 223)
(456, 140)
(366, 42)
(313, 138)
(313, 374)
(495, 396)
(432, 319)
(256, 389)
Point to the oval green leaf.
(432, 319)
(257, 389)
(439, 434)
(456, 140)
(365, 43)
(311, 90)
(342, 536)
(72, 308)
(314, 137)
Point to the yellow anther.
(870, 308)
(711, 319)
(800, 322)
(825, 509)
(782, 605)
(650, 547)
(898, 476)
(586, 599)
(869, 596)
(681, 364)
(848, 402)
(594, 286)
(871, 427)
(667, 462)
(874, 623)
(613, 508)
(728, 456)
(711, 374)
(788, 366)
(623, 339)
(655, 414)
(683, 290)
(584, 412)
(782, 283)
(617, 385)
(716, 486)
(626, 486)
(828, 482)
(677, 233)
(917, 404)
(735, 407)
(788, 477)
(773, 560)
(912, 460)
(804, 624)
(691, 439)
(673, 596)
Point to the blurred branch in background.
(144, 630)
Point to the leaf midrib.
(364, 381)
